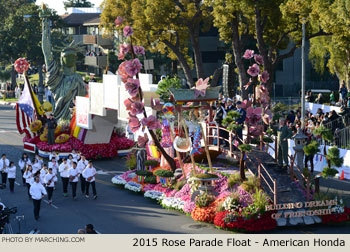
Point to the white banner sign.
(83, 117)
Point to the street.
(116, 211)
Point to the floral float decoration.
(129, 70)
(21, 65)
(35, 126)
(62, 138)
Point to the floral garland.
(173, 203)
(132, 186)
(265, 222)
(152, 194)
(337, 218)
(118, 180)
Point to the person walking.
(64, 173)
(4, 165)
(29, 177)
(51, 126)
(50, 179)
(80, 167)
(283, 133)
(89, 174)
(37, 191)
(73, 178)
(22, 163)
(53, 164)
(343, 92)
(11, 175)
(43, 173)
(36, 167)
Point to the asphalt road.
(116, 211)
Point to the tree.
(333, 51)
(164, 26)
(21, 37)
(77, 3)
(274, 24)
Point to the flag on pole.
(25, 111)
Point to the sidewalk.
(10, 103)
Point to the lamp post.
(300, 138)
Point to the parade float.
(84, 123)
(179, 161)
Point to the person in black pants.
(64, 173)
(89, 174)
(51, 126)
(50, 180)
(37, 190)
(4, 165)
(29, 177)
(11, 174)
(73, 178)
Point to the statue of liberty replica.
(62, 80)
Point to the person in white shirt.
(73, 178)
(43, 173)
(70, 160)
(55, 155)
(22, 163)
(4, 165)
(54, 165)
(39, 159)
(29, 177)
(76, 156)
(36, 167)
(80, 167)
(11, 175)
(64, 173)
(89, 174)
(37, 190)
(50, 179)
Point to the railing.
(210, 136)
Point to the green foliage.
(5, 75)
(150, 180)
(333, 157)
(164, 85)
(260, 200)
(144, 173)
(206, 176)
(131, 161)
(324, 132)
(233, 180)
(77, 3)
(329, 172)
(245, 147)
(204, 199)
(312, 148)
(164, 173)
(151, 162)
(250, 184)
(179, 184)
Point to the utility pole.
(303, 78)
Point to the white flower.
(132, 186)
(118, 180)
(132, 175)
(173, 202)
(152, 194)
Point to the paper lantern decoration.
(21, 65)
(168, 110)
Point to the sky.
(58, 4)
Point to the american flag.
(25, 112)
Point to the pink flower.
(259, 59)
(132, 67)
(248, 54)
(136, 108)
(155, 104)
(122, 72)
(142, 140)
(132, 86)
(139, 50)
(264, 76)
(123, 50)
(201, 87)
(253, 70)
(134, 123)
(127, 104)
(118, 21)
(151, 122)
(128, 31)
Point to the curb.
(7, 103)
